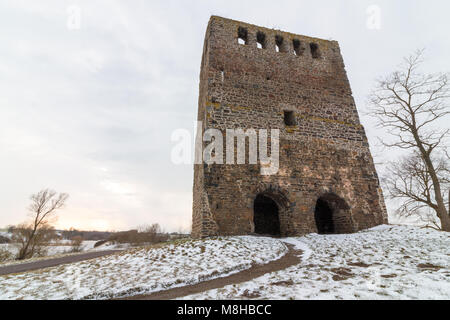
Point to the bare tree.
(412, 106)
(31, 236)
(409, 179)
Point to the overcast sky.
(90, 110)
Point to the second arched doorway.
(266, 216)
(332, 215)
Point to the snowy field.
(143, 270)
(63, 247)
(386, 262)
(58, 249)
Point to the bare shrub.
(32, 242)
(5, 255)
(76, 244)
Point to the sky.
(91, 91)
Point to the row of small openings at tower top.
(280, 44)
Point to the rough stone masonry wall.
(324, 152)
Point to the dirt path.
(41, 264)
(292, 257)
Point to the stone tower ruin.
(254, 77)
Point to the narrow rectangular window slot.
(289, 118)
(260, 40)
(315, 53)
(298, 50)
(279, 44)
(242, 36)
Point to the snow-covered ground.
(5, 234)
(143, 270)
(57, 249)
(52, 249)
(386, 262)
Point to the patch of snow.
(381, 227)
(6, 234)
(385, 262)
(299, 245)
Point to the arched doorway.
(324, 217)
(332, 215)
(266, 216)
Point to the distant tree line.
(147, 234)
(85, 235)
